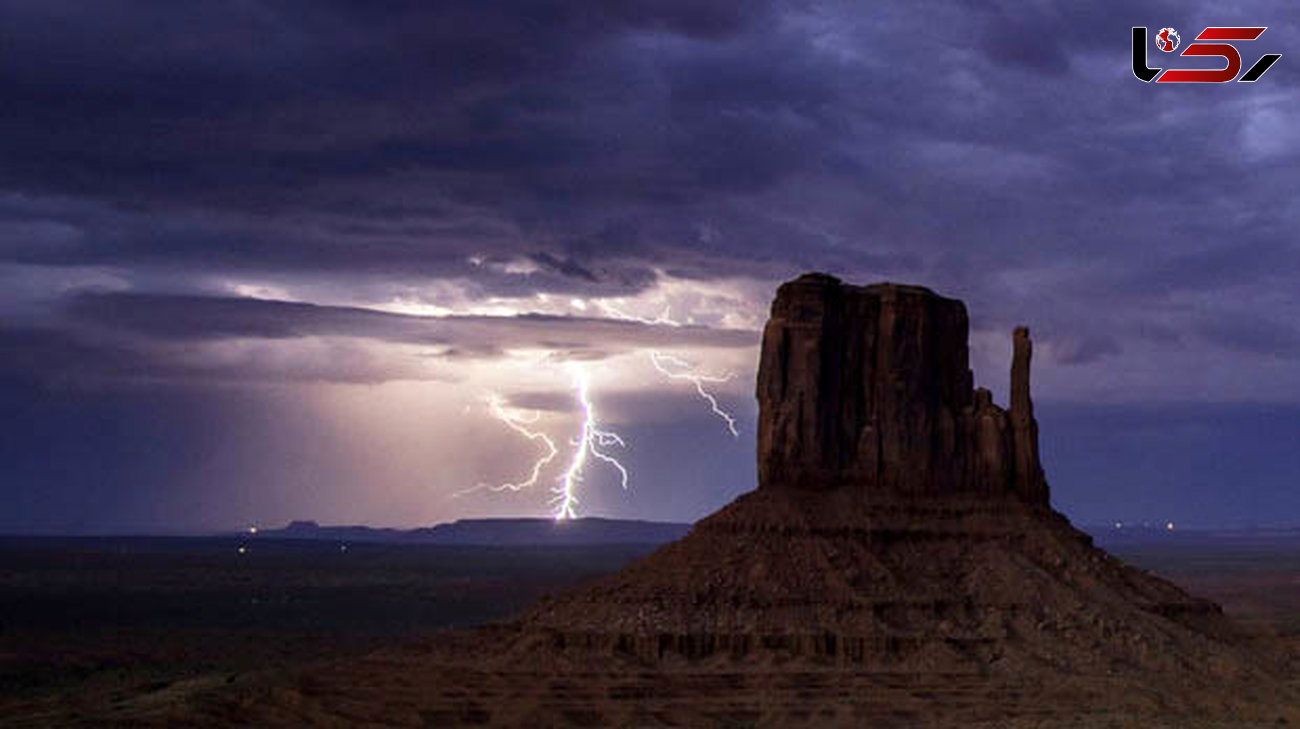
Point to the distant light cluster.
(1167, 526)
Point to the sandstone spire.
(1029, 478)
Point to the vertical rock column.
(1029, 480)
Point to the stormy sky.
(272, 260)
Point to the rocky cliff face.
(870, 387)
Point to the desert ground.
(105, 630)
(159, 631)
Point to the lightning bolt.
(590, 442)
(675, 368)
(518, 422)
(593, 441)
(664, 319)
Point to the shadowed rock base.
(952, 585)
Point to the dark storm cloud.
(103, 338)
(565, 267)
(41, 359)
(409, 139)
(596, 139)
(292, 136)
(206, 317)
(406, 142)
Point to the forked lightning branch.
(594, 441)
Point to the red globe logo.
(1167, 40)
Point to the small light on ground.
(1119, 525)
(1169, 526)
(243, 549)
(252, 529)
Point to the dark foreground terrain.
(157, 630)
(105, 629)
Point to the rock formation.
(871, 387)
(1029, 482)
(901, 521)
(899, 564)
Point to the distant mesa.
(587, 531)
(302, 526)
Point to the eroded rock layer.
(961, 584)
